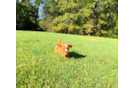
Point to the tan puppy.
(62, 49)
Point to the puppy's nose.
(66, 50)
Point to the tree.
(93, 17)
(70, 20)
(99, 21)
(25, 15)
(98, 17)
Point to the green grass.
(93, 61)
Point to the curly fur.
(62, 49)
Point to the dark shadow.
(76, 55)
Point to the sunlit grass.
(93, 61)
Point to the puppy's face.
(65, 47)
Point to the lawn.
(93, 61)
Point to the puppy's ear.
(70, 45)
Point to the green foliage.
(51, 8)
(46, 25)
(27, 14)
(113, 26)
(97, 17)
(94, 17)
(67, 18)
(42, 24)
(85, 12)
(26, 18)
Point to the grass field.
(93, 61)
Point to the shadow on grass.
(76, 55)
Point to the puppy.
(62, 49)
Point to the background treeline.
(86, 17)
